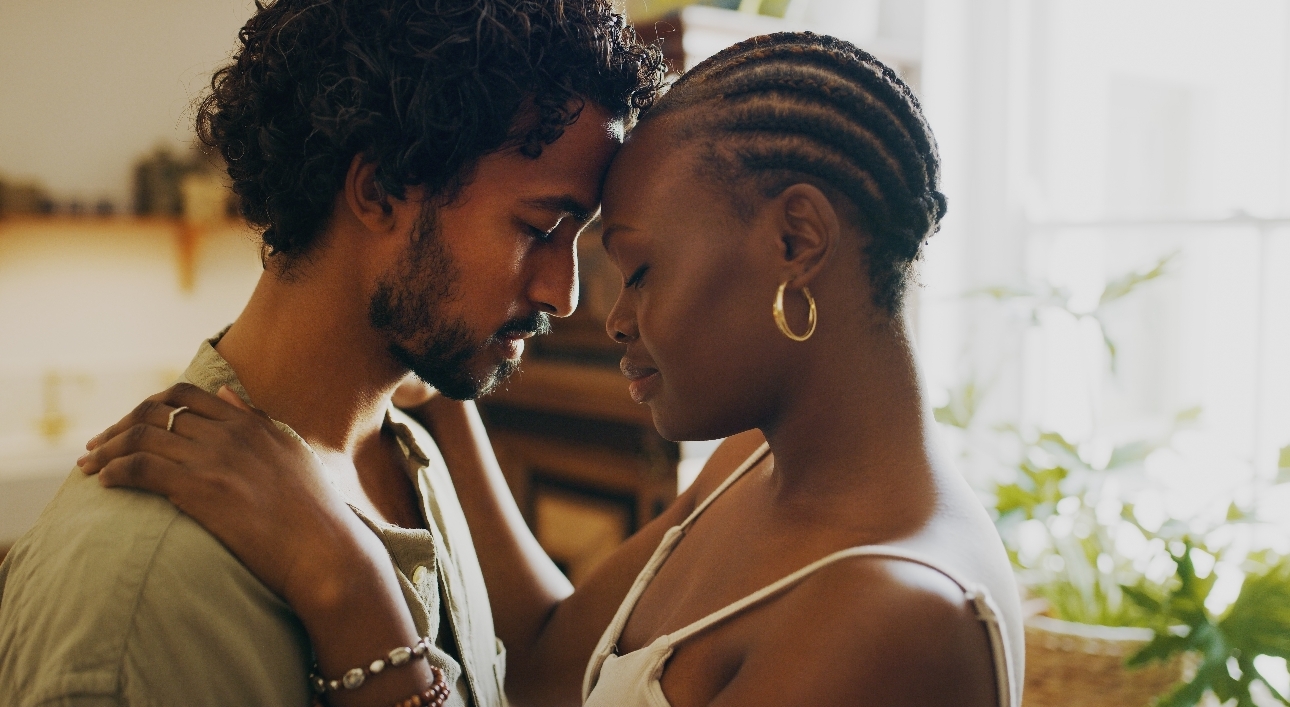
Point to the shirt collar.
(209, 371)
(406, 437)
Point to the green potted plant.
(1061, 523)
(1227, 648)
(1117, 611)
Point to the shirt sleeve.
(207, 632)
(80, 701)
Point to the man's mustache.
(535, 324)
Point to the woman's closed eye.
(637, 277)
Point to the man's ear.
(809, 229)
(366, 199)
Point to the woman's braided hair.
(800, 107)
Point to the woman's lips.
(643, 381)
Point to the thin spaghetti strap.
(749, 463)
(986, 610)
(609, 639)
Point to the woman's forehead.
(647, 167)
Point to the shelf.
(90, 222)
(187, 235)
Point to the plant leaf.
(1129, 282)
(1185, 695)
(1142, 599)
(1258, 622)
(1161, 648)
(1188, 416)
(1131, 453)
(1003, 292)
(961, 408)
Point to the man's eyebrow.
(563, 205)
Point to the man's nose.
(554, 287)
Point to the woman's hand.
(413, 392)
(265, 496)
(256, 488)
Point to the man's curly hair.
(421, 88)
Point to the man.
(420, 171)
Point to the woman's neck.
(852, 428)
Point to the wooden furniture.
(583, 460)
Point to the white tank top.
(632, 680)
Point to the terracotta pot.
(1081, 665)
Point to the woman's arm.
(264, 496)
(549, 629)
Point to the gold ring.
(170, 424)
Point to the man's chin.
(463, 385)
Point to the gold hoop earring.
(782, 323)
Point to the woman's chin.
(675, 426)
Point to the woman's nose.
(621, 323)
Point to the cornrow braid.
(800, 107)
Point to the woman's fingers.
(144, 471)
(412, 393)
(156, 411)
(226, 394)
(141, 438)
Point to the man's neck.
(306, 355)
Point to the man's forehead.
(567, 176)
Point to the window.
(1113, 264)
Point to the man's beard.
(410, 305)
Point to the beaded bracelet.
(434, 696)
(354, 678)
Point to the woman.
(765, 215)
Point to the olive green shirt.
(116, 597)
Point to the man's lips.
(516, 335)
(512, 342)
(643, 381)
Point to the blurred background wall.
(88, 87)
(98, 306)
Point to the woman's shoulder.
(883, 630)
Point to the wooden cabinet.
(583, 460)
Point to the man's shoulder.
(85, 529)
(111, 579)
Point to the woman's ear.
(809, 230)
